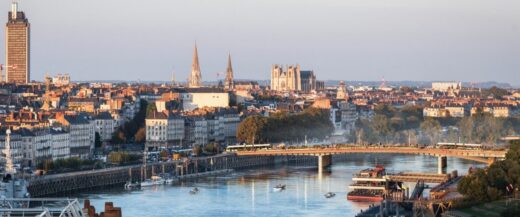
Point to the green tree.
(97, 140)
(252, 130)
(431, 128)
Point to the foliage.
(197, 150)
(65, 164)
(496, 92)
(97, 140)
(212, 148)
(140, 135)
(283, 127)
(432, 129)
(252, 129)
(121, 157)
(129, 131)
(490, 184)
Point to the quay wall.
(68, 183)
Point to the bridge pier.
(323, 162)
(442, 164)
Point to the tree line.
(502, 178)
(392, 125)
(285, 127)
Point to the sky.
(462, 40)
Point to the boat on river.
(330, 194)
(194, 190)
(154, 180)
(279, 187)
(373, 185)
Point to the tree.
(97, 140)
(140, 136)
(431, 128)
(252, 130)
(151, 108)
(380, 127)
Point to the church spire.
(195, 76)
(228, 82)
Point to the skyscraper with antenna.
(17, 41)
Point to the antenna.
(14, 10)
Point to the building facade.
(285, 79)
(17, 47)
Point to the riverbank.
(70, 183)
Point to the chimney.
(14, 10)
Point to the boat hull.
(362, 198)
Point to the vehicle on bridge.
(452, 145)
(248, 147)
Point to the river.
(250, 192)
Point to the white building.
(82, 133)
(204, 97)
(60, 143)
(164, 129)
(445, 86)
(105, 125)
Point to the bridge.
(324, 154)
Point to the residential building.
(60, 143)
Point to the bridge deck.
(470, 154)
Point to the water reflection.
(250, 192)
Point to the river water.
(250, 192)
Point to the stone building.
(195, 78)
(285, 79)
(229, 83)
(291, 78)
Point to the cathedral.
(291, 78)
(195, 78)
(228, 82)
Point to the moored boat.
(373, 185)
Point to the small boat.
(155, 180)
(279, 187)
(194, 191)
(169, 181)
(131, 185)
(329, 194)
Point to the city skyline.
(360, 41)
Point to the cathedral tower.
(195, 78)
(228, 82)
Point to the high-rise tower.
(228, 82)
(17, 46)
(195, 78)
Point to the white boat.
(329, 194)
(154, 180)
(194, 190)
(132, 185)
(169, 181)
(279, 187)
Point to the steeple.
(228, 82)
(195, 76)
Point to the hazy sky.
(469, 40)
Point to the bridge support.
(323, 162)
(442, 164)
